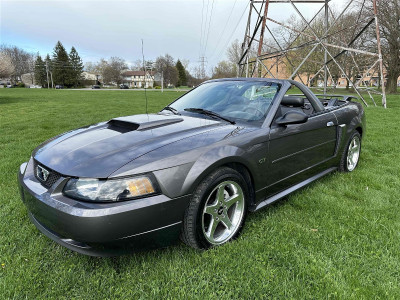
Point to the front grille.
(51, 179)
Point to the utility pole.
(162, 81)
(47, 73)
(51, 76)
(202, 62)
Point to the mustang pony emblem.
(42, 173)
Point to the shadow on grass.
(10, 100)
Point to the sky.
(185, 29)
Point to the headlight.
(110, 190)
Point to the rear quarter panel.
(350, 117)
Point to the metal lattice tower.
(255, 61)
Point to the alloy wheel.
(353, 153)
(223, 212)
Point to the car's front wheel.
(217, 210)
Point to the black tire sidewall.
(343, 161)
(217, 177)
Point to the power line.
(201, 28)
(226, 24)
(233, 32)
(205, 25)
(209, 26)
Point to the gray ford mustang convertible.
(193, 170)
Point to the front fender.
(211, 160)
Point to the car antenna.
(144, 72)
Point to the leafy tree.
(389, 18)
(6, 66)
(166, 65)
(61, 65)
(111, 70)
(76, 67)
(182, 78)
(137, 65)
(40, 71)
(21, 60)
(224, 69)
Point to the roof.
(136, 73)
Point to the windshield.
(247, 101)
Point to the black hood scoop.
(123, 126)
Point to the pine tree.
(40, 71)
(182, 79)
(61, 66)
(76, 66)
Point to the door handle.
(330, 124)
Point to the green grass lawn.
(338, 238)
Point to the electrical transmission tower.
(202, 61)
(265, 54)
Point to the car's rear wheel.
(217, 210)
(351, 153)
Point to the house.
(279, 69)
(138, 79)
(28, 78)
(90, 78)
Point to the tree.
(166, 65)
(182, 79)
(6, 66)
(49, 64)
(21, 61)
(91, 67)
(111, 70)
(40, 71)
(293, 39)
(389, 18)
(76, 66)
(224, 69)
(61, 66)
(234, 53)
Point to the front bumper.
(100, 229)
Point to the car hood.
(99, 150)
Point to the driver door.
(297, 152)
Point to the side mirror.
(292, 117)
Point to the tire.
(351, 153)
(219, 200)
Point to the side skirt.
(293, 188)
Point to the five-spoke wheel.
(222, 213)
(217, 210)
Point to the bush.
(20, 85)
(157, 87)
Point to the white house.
(138, 79)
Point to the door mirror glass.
(292, 117)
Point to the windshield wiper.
(173, 110)
(209, 113)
